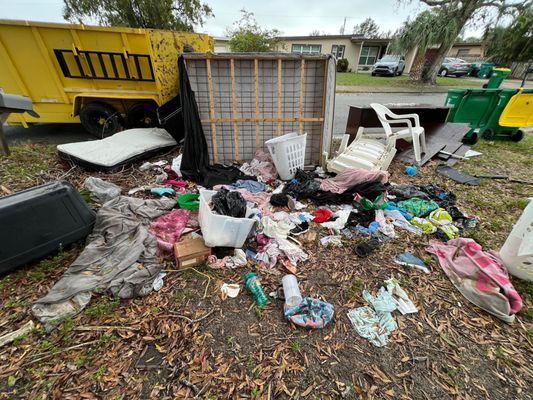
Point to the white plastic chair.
(364, 152)
(416, 132)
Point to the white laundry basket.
(222, 230)
(517, 251)
(288, 153)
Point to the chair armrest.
(402, 121)
(404, 116)
(415, 117)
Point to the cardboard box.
(190, 252)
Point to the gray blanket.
(120, 257)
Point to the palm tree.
(429, 28)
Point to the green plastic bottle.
(251, 281)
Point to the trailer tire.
(142, 115)
(100, 119)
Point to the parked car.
(389, 65)
(454, 66)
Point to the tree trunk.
(418, 66)
(462, 15)
(429, 75)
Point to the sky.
(296, 17)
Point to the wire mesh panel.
(245, 99)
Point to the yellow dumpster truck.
(106, 78)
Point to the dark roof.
(353, 38)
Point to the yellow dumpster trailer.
(104, 77)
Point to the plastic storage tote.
(40, 220)
(517, 251)
(288, 153)
(497, 77)
(222, 230)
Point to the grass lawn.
(351, 79)
(187, 341)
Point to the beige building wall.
(351, 50)
(466, 51)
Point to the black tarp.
(195, 154)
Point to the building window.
(338, 51)
(369, 55)
(463, 52)
(306, 48)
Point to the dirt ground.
(185, 341)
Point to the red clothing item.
(321, 215)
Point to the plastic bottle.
(251, 281)
(293, 297)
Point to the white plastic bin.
(222, 230)
(517, 251)
(288, 153)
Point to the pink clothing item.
(176, 183)
(261, 166)
(480, 276)
(169, 227)
(351, 177)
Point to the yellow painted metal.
(519, 110)
(29, 66)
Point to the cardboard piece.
(190, 252)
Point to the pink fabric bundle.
(261, 166)
(351, 177)
(169, 227)
(480, 276)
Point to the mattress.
(118, 150)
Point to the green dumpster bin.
(497, 77)
(453, 100)
(484, 70)
(491, 127)
(472, 106)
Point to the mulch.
(186, 341)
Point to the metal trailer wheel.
(100, 119)
(142, 115)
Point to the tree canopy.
(247, 36)
(511, 43)
(368, 28)
(180, 15)
(445, 21)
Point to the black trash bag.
(219, 174)
(229, 203)
(195, 157)
(370, 190)
(303, 186)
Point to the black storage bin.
(171, 119)
(38, 221)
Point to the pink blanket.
(169, 227)
(351, 177)
(480, 276)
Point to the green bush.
(342, 65)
